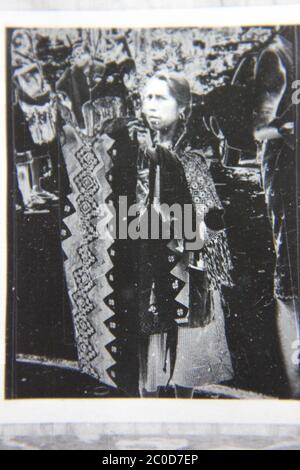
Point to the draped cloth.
(176, 287)
(99, 267)
(182, 180)
(215, 253)
(88, 249)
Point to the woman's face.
(159, 106)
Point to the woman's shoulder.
(195, 153)
(194, 157)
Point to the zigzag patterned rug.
(88, 250)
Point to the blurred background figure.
(35, 134)
(22, 48)
(274, 120)
(96, 89)
(80, 78)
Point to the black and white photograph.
(153, 208)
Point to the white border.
(128, 410)
(227, 16)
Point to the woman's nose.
(152, 109)
(152, 104)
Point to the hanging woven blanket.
(88, 249)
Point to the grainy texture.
(86, 436)
(129, 4)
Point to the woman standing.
(147, 312)
(181, 324)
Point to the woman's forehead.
(156, 86)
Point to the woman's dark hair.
(179, 88)
(127, 66)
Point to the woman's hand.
(266, 133)
(142, 134)
(286, 132)
(288, 128)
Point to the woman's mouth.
(154, 120)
